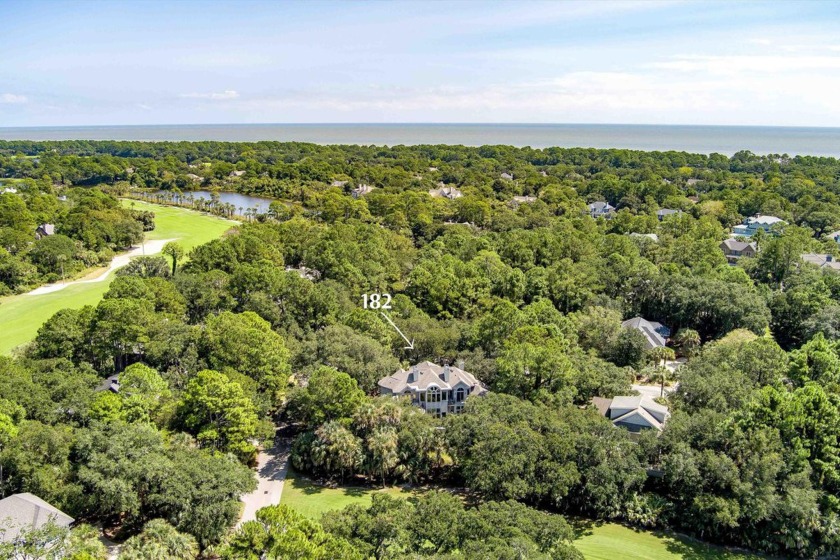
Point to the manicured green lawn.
(21, 316)
(310, 499)
(597, 541)
(609, 541)
(189, 227)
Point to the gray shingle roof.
(821, 260)
(20, 512)
(735, 245)
(623, 408)
(420, 377)
(654, 332)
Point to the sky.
(202, 62)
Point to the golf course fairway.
(22, 315)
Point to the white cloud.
(12, 98)
(215, 96)
(737, 64)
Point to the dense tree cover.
(50, 541)
(266, 324)
(89, 226)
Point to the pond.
(240, 201)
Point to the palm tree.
(660, 356)
(383, 449)
(687, 342)
(176, 252)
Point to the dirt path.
(272, 466)
(148, 248)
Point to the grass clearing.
(608, 541)
(597, 541)
(312, 500)
(21, 316)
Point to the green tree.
(217, 411)
(245, 342)
(329, 395)
(382, 444)
(159, 539)
(280, 532)
(174, 251)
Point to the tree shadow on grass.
(689, 548)
(582, 527)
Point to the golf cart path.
(147, 248)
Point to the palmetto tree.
(382, 444)
(659, 356)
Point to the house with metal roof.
(635, 413)
(23, 512)
(655, 333)
(755, 223)
(439, 390)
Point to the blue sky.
(150, 62)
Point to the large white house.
(439, 390)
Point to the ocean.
(696, 139)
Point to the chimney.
(445, 374)
(413, 374)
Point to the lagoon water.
(243, 201)
(697, 139)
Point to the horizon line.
(419, 123)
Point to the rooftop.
(25, 511)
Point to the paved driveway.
(653, 390)
(272, 465)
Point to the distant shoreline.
(703, 139)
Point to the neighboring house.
(446, 192)
(633, 413)
(734, 250)
(194, 177)
(517, 200)
(655, 333)
(664, 212)
(822, 261)
(236, 174)
(44, 230)
(111, 383)
(9, 190)
(338, 183)
(755, 223)
(439, 390)
(652, 236)
(24, 512)
(506, 176)
(305, 273)
(361, 190)
(601, 209)
(692, 182)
